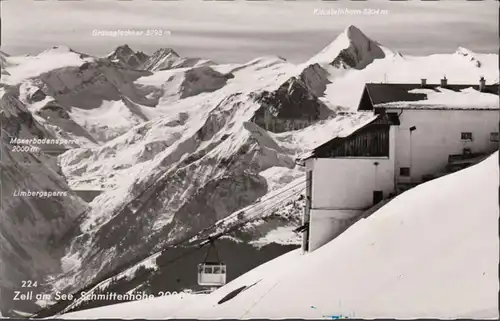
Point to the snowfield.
(25, 67)
(432, 252)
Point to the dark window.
(494, 137)
(378, 196)
(466, 136)
(309, 177)
(404, 171)
(393, 118)
(368, 142)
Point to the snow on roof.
(345, 132)
(410, 259)
(348, 131)
(442, 98)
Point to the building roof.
(382, 94)
(383, 119)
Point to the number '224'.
(29, 284)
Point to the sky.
(238, 31)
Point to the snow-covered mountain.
(351, 49)
(162, 59)
(437, 258)
(186, 143)
(125, 55)
(167, 58)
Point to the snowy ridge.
(469, 56)
(125, 55)
(351, 49)
(162, 59)
(456, 262)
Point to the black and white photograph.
(249, 159)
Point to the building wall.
(343, 187)
(348, 183)
(438, 135)
(325, 225)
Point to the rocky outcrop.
(292, 106)
(162, 59)
(193, 82)
(315, 78)
(351, 49)
(125, 55)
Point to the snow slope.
(24, 67)
(432, 252)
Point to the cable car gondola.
(212, 273)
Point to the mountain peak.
(127, 56)
(351, 49)
(464, 51)
(123, 50)
(166, 51)
(468, 55)
(352, 32)
(58, 49)
(162, 59)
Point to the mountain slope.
(435, 259)
(33, 229)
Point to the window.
(378, 196)
(217, 270)
(466, 136)
(309, 177)
(494, 137)
(404, 171)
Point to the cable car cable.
(209, 240)
(184, 240)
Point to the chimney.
(423, 82)
(482, 84)
(444, 82)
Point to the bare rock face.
(292, 106)
(360, 52)
(16, 119)
(35, 95)
(202, 79)
(125, 55)
(162, 59)
(37, 211)
(315, 78)
(194, 81)
(351, 49)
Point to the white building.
(417, 132)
